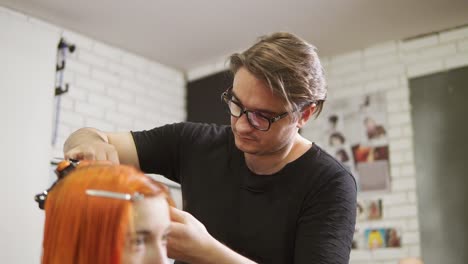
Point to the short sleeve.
(158, 150)
(326, 225)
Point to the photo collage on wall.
(355, 133)
(376, 237)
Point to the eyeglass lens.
(255, 119)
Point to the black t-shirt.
(305, 213)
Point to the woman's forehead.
(151, 214)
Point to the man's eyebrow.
(234, 95)
(266, 111)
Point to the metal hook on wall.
(63, 47)
(60, 88)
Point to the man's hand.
(189, 241)
(91, 144)
(188, 237)
(94, 151)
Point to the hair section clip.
(115, 195)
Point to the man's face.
(147, 244)
(255, 95)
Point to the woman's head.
(86, 225)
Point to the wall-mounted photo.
(369, 210)
(375, 238)
(356, 135)
(382, 238)
(372, 166)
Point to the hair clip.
(115, 195)
(65, 167)
(62, 170)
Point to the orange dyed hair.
(84, 229)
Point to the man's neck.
(272, 163)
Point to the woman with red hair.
(100, 213)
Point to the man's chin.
(242, 146)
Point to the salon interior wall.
(386, 67)
(110, 89)
(25, 106)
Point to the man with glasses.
(263, 192)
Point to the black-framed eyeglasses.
(256, 119)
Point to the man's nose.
(242, 124)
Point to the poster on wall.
(382, 238)
(369, 209)
(356, 135)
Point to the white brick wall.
(113, 90)
(387, 67)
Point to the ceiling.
(186, 34)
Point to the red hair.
(84, 229)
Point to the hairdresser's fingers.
(187, 220)
(113, 157)
(177, 235)
(187, 240)
(72, 155)
(101, 155)
(100, 162)
(84, 163)
(177, 229)
(80, 154)
(176, 242)
(178, 215)
(89, 155)
(98, 151)
(182, 242)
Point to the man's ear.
(306, 113)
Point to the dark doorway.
(204, 99)
(440, 115)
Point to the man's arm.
(189, 241)
(326, 227)
(92, 144)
